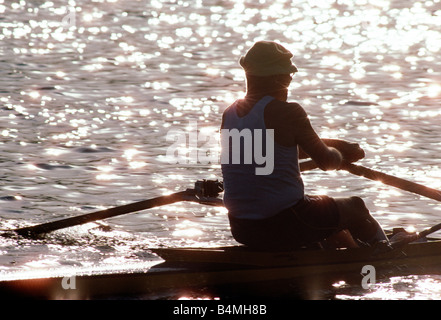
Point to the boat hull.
(233, 268)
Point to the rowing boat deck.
(240, 255)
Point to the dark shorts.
(311, 220)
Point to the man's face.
(284, 79)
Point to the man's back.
(246, 141)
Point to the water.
(90, 89)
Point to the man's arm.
(294, 128)
(350, 151)
(326, 157)
(310, 145)
(328, 154)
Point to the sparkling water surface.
(90, 90)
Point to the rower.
(263, 137)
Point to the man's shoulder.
(232, 105)
(286, 109)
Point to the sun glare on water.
(90, 89)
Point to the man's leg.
(342, 239)
(355, 217)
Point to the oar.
(383, 248)
(384, 178)
(204, 192)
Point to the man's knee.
(359, 206)
(352, 211)
(352, 205)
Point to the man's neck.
(252, 95)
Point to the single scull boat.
(228, 267)
(233, 266)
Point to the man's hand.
(350, 151)
(338, 154)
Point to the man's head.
(267, 58)
(268, 69)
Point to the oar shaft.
(103, 214)
(382, 177)
(411, 238)
(307, 165)
(393, 181)
(426, 232)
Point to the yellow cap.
(267, 58)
